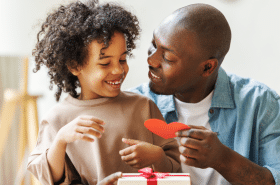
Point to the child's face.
(102, 77)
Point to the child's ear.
(209, 67)
(74, 70)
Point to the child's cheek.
(97, 78)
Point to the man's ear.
(209, 66)
(74, 70)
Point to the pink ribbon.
(151, 176)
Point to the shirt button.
(211, 111)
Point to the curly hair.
(65, 35)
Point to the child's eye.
(123, 61)
(104, 64)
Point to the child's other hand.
(80, 129)
(111, 179)
(141, 154)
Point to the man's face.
(175, 61)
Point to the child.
(80, 139)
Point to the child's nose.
(118, 69)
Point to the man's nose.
(153, 59)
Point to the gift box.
(148, 177)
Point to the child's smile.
(115, 83)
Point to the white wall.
(254, 51)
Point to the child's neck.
(85, 97)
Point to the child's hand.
(141, 154)
(111, 179)
(79, 127)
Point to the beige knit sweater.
(88, 162)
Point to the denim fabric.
(244, 112)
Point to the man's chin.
(158, 90)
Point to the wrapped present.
(148, 177)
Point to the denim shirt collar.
(165, 103)
(222, 97)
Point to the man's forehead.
(169, 34)
(163, 38)
(167, 31)
(171, 19)
(178, 40)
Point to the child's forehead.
(104, 41)
(116, 46)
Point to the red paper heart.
(163, 129)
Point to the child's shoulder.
(59, 109)
(132, 96)
(134, 101)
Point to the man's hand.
(141, 154)
(200, 147)
(111, 179)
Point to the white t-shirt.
(197, 114)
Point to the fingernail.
(103, 123)
(176, 133)
(99, 136)
(119, 174)
(120, 152)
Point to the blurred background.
(254, 53)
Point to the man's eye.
(166, 59)
(151, 48)
(154, 43)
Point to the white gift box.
(170, 179)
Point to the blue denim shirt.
(244, 112)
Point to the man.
(235, 122)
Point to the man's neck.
(198, 94)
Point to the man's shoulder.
(250, 86)
(232, 90)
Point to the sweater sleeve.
(38, 163)
(169, 146)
